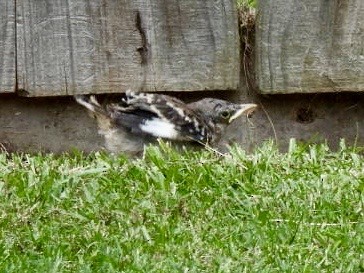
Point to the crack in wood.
(65, 79)
(144, 49)
(16, 82)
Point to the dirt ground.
(59, 124)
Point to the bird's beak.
(243, 109)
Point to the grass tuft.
(185, 211)
(247, 3)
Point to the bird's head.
(221, 111)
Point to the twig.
(312, 224)
(209, 148)
(271, 122)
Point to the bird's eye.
(225, 114)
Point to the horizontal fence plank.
(69, 47)
(7, 46)
(310, 46)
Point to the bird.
(143, 117)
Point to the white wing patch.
(160, 128)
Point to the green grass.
(246, 3)
(300, 211)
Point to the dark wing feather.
(191, 124)
(131, 121)
(137, 110)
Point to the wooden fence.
(310, 46)
(69, 47)
(66, 47)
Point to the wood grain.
(310, 46)
(83, 46)
(7, 46)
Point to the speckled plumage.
(152, 115)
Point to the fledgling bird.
(140, 117)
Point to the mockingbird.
(141, 117)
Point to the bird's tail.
(91, 104)
(97, 111)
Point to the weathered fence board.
(310, 46)
(7, 46)
(68, 47)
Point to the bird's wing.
(162, 116)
